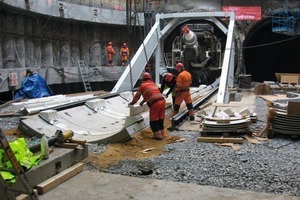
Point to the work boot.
(162, 133)
(158, 135)
(192, 120)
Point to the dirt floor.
(15, 132)
(142, 145)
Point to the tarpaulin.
(33, 86)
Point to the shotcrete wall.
(52, 46)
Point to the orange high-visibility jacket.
(110, 52)
(183, 81)
(150, 92)
(124, 52)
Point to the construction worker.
(169, 80)
(124, 52)
(182, 90)
(156, 102)
(110, 52)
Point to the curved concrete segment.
(286, 119)
(99, 120)
(282, 104)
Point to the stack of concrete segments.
(285, 118)
(225, 121)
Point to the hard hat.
(146, 76)
(185, 30)
(110, 43)
(168, 77)
(179, 66)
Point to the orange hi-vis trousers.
(186, 97)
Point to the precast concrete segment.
(281, 104)
(99, 120)
(286, 118)
(59, 160)
(86, 123)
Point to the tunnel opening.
(201, 53)
(266, 53)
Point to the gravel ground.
(272, 166)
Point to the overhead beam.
(227, 66)
(154, 41)
(137, 64)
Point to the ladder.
(17, 170)
(84, 76)
(168, 59)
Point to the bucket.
(245, 80)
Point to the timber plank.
(221, 140)
(25, 196)
(59, 178)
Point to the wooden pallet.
(288, 78)
(236, 140)
(225, 133)
(292, 134)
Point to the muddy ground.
(142, 145)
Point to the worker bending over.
(169, 80)
(110, 52)
(182, 90)
(156, 102)
(124, 52)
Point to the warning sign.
(244, 12)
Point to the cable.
(18, 55)
(267, 44)
(128, 15)
(272, 43)
(7, 77)
(144, 49)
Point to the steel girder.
(154, 42)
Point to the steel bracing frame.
(153, 44)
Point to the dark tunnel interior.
(266, 53)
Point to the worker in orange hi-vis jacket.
(124, 52)
(182, 90)
(156, 102)
(169, 80)
(110, 53)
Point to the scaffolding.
(286, 22)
